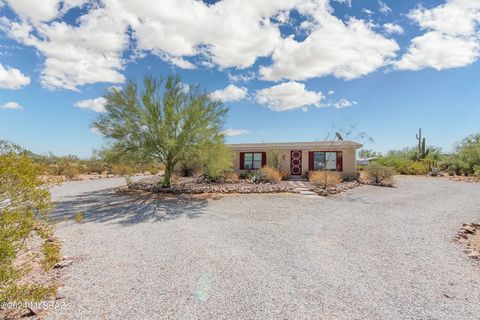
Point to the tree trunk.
(167, 175)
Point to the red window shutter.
(339, 161)
(242, 160)
(264, 159)
(310, 161)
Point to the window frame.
(251, 164)
(327, 158)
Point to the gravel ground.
(369, 253)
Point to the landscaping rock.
(474, 255)
(197, 186)
(194, 186)
(60, 294)
(469, 235)
(63, 263)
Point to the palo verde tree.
(160, 124)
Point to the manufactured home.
(298, 158)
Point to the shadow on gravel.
(128, 207)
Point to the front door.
(296, 162)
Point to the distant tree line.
(465, 159)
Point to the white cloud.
(242, 77)
(455, 17)
(344, 103)
(114, 88)
(11, 78)
(185, 87)
(44, 10)
(439, 51)
(230, 93)
(76, 55)
(347, 2)
(35, 10)
(392, 28)
(367, 12)
(11, 106)
(96, 105)
(288, 96)
(346, 51)
(235, 132)
(186, 33)
(331, 92)
(384, 8)
(95, 130)
(230, 33)
(451, 39)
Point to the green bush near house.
(274, 159)
(213, 160)
(413, 168)
(247, 175)
(218, 162)
(379, 174)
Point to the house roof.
(298, 145)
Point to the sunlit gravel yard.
(369, 253)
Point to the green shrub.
(79, 217)
(218, 161)
(274, 159)
(24, 203)
(151, 168)
(123, 169)
(413, 168)
(258, 177)
(30, 292)
(95, 166)
(476, 171)
(379, 174)
(70, 171)
(468, 154)
(247, 175)
(51, 252)
(455, 166)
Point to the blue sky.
(386, 67)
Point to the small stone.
(469, 229)
(474, 255)
(63, 263)
(60, 294)
(322, 192)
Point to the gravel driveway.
(370, 253)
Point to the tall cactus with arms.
(422, 149)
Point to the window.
(331, 160)
(319, 161)
(252, 160)
(324, 160)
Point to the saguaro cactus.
(422, 149)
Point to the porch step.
(298, 184)
(307, 193)
(299, 189)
